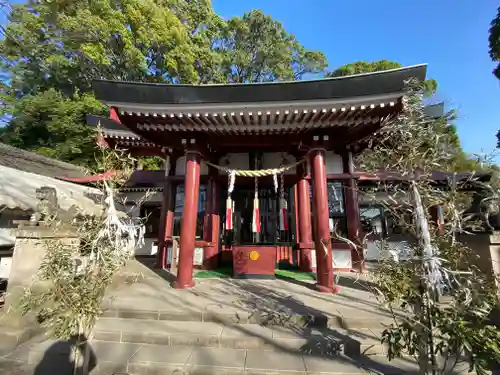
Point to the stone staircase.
(225, 327)
(140, 342)
(163, 342)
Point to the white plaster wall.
(380, 197)
(136, 196)
(333, 163)
(340, 258)
(199, 253)
(7, 226)
(274, 159)
(180, 167)
(5, 263)
(378, 250)
(7, 237)
(149, 248)
(134, 211)
(235, 161)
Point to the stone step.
(277, 318)
(51, 357)
(113, 358)
(353, 342)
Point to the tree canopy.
(52, 50)
(358, 67)
(494, 43)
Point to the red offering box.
(254, 262)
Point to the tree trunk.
(426, 354)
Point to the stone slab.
(155, 326)
(114, 352)
(124, 358)
(349, 321)
(13, 367)
(160, 354)
(271, 361)
(236, 336)
(248, 301)
(216, 357)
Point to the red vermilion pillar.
(188, 222)
(210, 254)
(324, 267)
(352, 210)
(304, 221)
(165, 225)
(167, 214)
(437, 217)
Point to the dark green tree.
(358, 67)
(494, 43)
(53, 49)
(53, 125)
(257, 48)
(460, 162)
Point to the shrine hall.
(255, 170)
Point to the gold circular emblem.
(254, 255)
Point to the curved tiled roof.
(375, 83)
(34, 163)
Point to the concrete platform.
(353, 342)
(145, 359)
(275, 302)
(224, 326)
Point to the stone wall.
(480, 244)
(29, 251)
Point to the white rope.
(275, 182)
(255, 173)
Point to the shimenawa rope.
(252, 173)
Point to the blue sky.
(451, 36)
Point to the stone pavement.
(225, 327)
(146, 359)
(243, 298)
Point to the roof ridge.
(379, 72)
(11, 154)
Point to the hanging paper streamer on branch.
(283, 205)
(256, 212)
(229, 201)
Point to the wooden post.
(210, 254)
(437, 217)
(354, 232)
(167, 214)
(188, 223)
(324, 266)
(304, 220)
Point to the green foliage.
(52, 51)
(456, 324)
(153, 163)
(459, 161)
(67, 296)
(359, 67)
(494, 43)
(53, 125)
(256, 48)
(64, 45)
